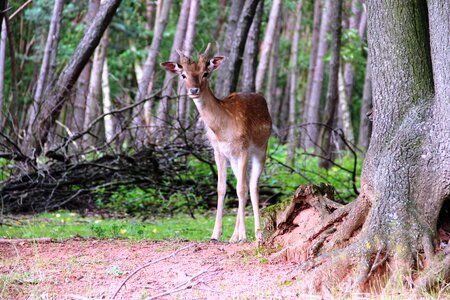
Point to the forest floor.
(81, 269)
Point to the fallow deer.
(238, 128)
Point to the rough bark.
(405, 181)
(293, 78)
(56, 97)
(270, 35)
(229, 72)
(161, 125)
(312, 130)
(82, 87)
(251, 51)
(332, 101)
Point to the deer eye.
(205, 75)
(183, 76)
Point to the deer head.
(194, 74)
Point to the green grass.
(63, 225)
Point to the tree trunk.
(2, 67)
(391, 228)
(56, 97)
(43, 74)
(365, 127)
(161, 126)
(82, 87)
(272, 77)
(93, 100)
(332, 103)
(109, 122)
(312, 63)
(344, 114)
(229, 73)
(312, 129)
(233, 19)
(269, 37)
(293, 79)
(148, 70)
(251, 51)
(184, 105)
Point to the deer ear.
(215, 62)
(172, 67)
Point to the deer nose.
(194, 91)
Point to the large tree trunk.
(270, 36)
(312, 129)
(293, 78)
(332, 103)
(405, 183)
(251, 51)
(57, 96)
(229, 73)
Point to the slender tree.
(293, 79)
(311, 132)
(365, 127)
(269, 36)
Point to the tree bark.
(43, 74)
(365, 127)
(312, 130)
(148, 70)
(345, 117)
(56, 97)
(2, 67)
(332, 103)
(270, 36)
(312, 62)
(184, 105)
(251, 51)
(272, 77)
(229, 72)
(109, 122)
(161, 125)
(293, 79)
(82, 87)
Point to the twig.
(149, 264)
(20, 9)
(183, 286)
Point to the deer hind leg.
(221, 163)
(239, 167)
(258, 162)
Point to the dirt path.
(95, 269)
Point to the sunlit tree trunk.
(107, 107)
(270, 35)
(344, 110)
(251, 51)
(272, 77)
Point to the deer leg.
(240, 171)
(221, 163)
(258, 162)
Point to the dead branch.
(149, 264)
(19, 10)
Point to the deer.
(238, 128)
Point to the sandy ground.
(80, 269)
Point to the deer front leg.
(240, 171)
(221, 163)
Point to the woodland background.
(108, 119)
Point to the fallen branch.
(149, 264)
(183, 286)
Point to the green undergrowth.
(64, 224)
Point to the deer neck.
(211, 110)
